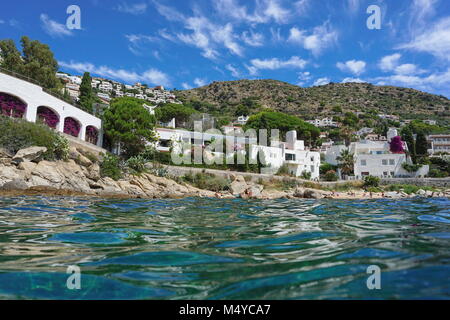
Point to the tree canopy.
(283, 122)
(168, 111)
(87, 97)
(36, 61)
(128, 123)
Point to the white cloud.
(53, 28)
(200, 82)
(2, 21)
(353, 80)
(234, 71)
(204, 34)
(352, 66)
(434, 82)
(303, 77)
(265, 11)
(408, 69)
(435, 40)
(321, 38)
(253, 39)
(275, 63)
(152, 76)
(137, 8)
(322, 81)
(186, 86)
(389, 63)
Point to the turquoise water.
(224, 249)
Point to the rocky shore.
(26, 174)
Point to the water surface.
(224, 249)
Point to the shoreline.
(25, 174)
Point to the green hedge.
(16, 134)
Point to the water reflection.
(209, 248)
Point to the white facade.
(325, 122)
(34, 96)
(291, 153)
(440, 143)
(375, 159)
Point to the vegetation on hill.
(308, 103)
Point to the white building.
(440, 143)
(34, 99)
(374, 158)
(291, 153)
(325, 122)
(105, 86)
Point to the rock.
(254, 191)
(429, 194)
(29, 154)
(9, 173)
(238, 186)
(393, 195)
(6, 162)
(313, 194)
(421, 192)
(27, 166)
(48, 171)
(16, 184)
(79, 158)
(5, 153)
(93, 172)
(299, 193)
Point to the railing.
(48, 91)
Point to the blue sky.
(185, 44)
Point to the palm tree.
(346, 162)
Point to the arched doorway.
(92, 134)
(72, 127)
(47, 116)
(12, 106)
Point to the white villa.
(23, 99)
(325, 122)
(374, 158)
(440, 143)
(291, 153)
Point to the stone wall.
(431, 182)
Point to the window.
(385, 174)
(312, 169)
(384, 162)
(391, 162)
(364, 162)
(290, 157)
(392, 173)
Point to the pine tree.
(86, 94)
(421, 144)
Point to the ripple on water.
(223, 249)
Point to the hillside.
(316, 101)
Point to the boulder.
(79, 158)
(393, 195)
(27, 166)
(313, 194)
(5, 153)
(238, 186)
(48, 171)
(421, 192)
(6, 162)
(93, 172)
(16, 184)
(299, 192)
(29, 154)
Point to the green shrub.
(330, 176)
(436, 173)
(283, 171)
(306, 175)
(207, 181)
(111, 167)
(371, 181)
(136, 164)
(18, 134)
